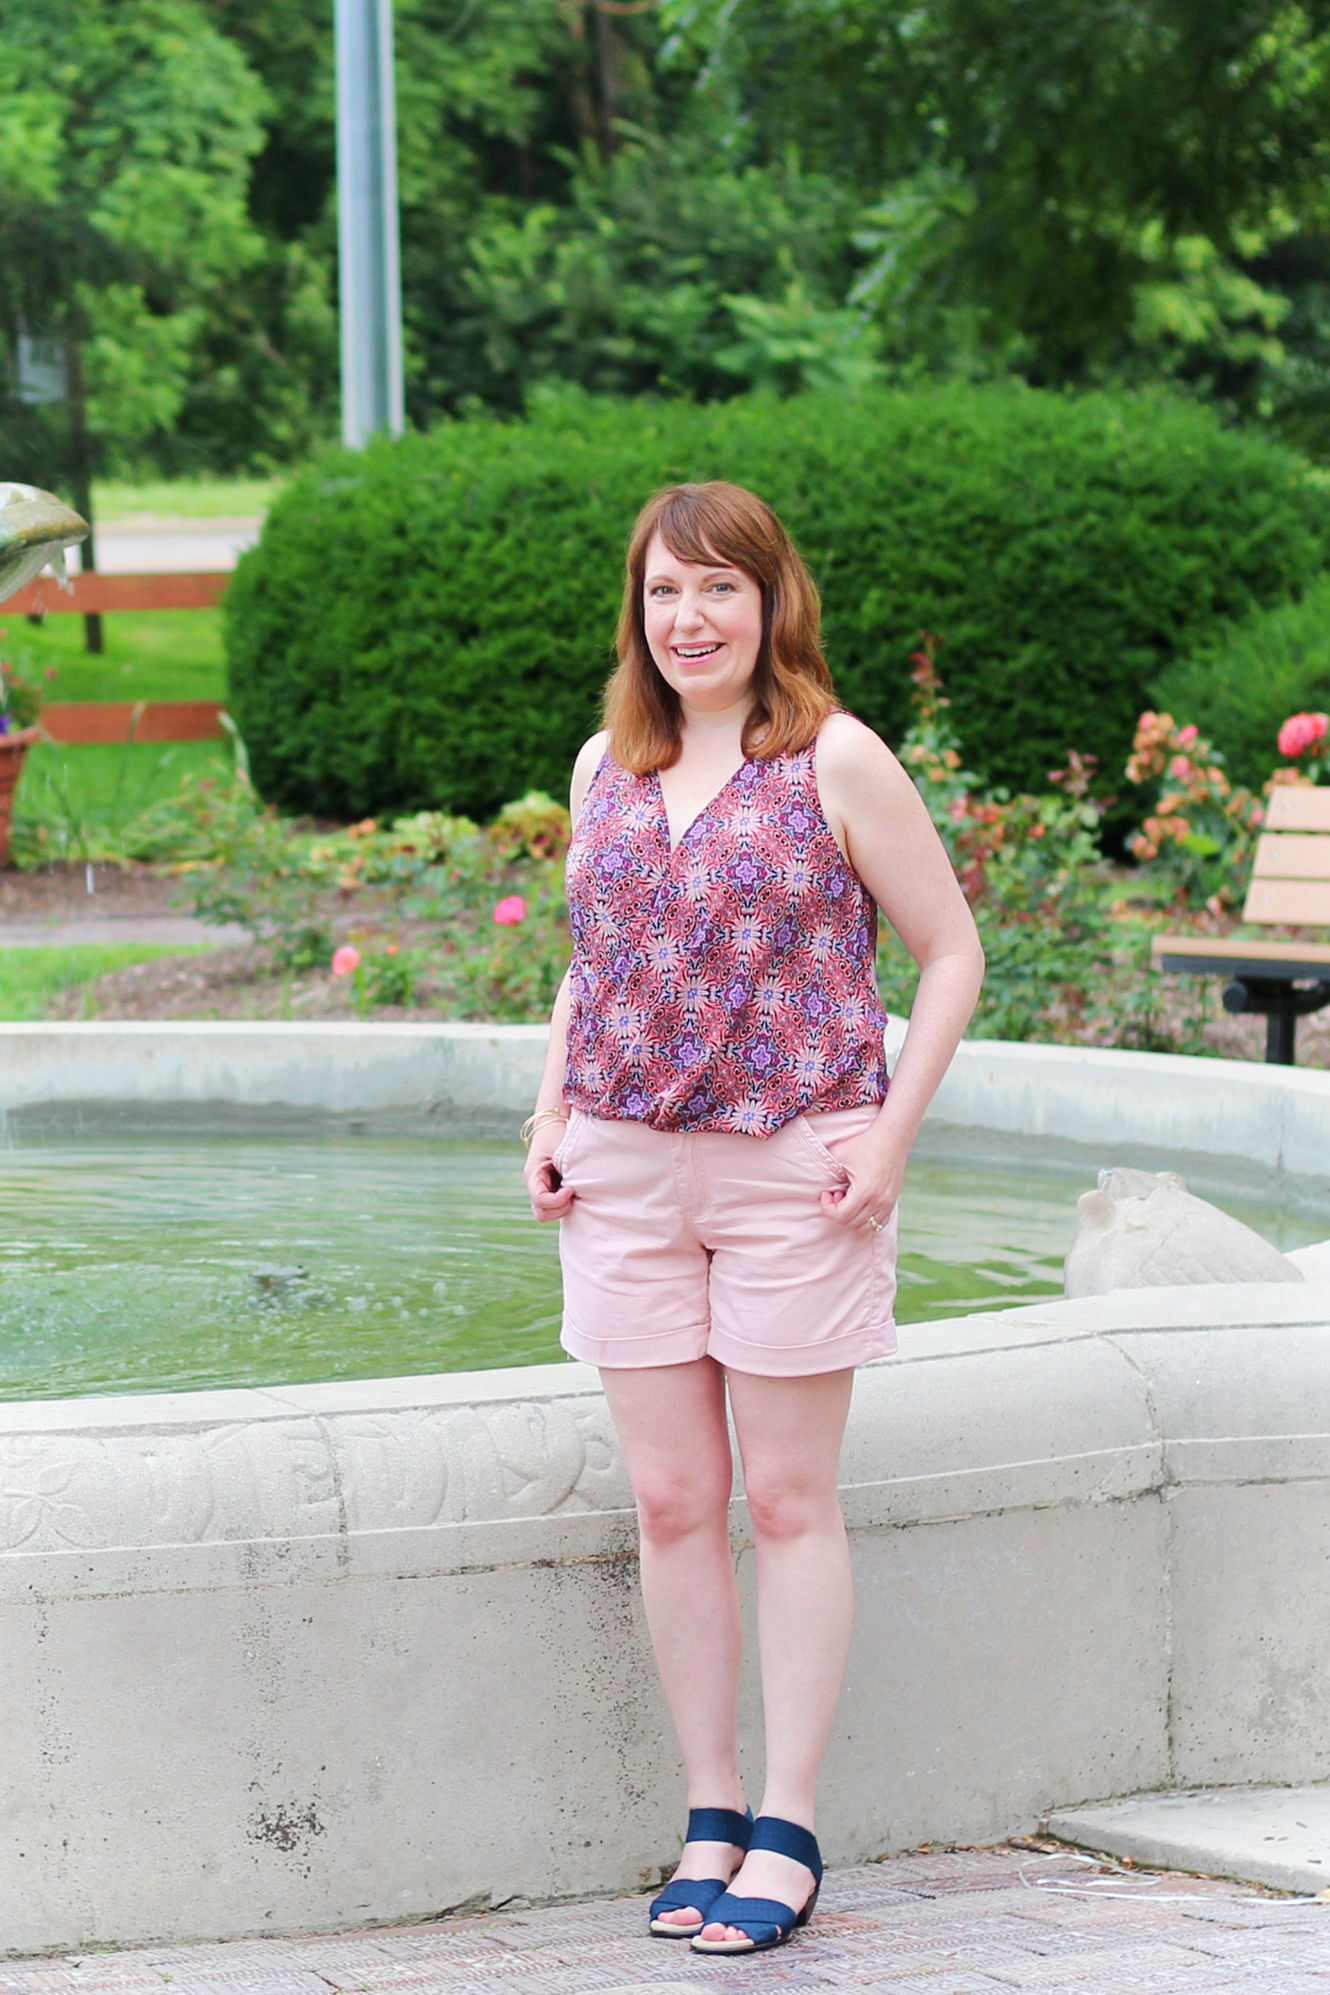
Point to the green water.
(150, 1260)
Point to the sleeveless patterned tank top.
(729, 983)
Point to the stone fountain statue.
(35, 530)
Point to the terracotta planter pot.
(13, 748)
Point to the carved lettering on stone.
(276, 1479)
(424, 1466)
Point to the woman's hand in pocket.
(874, 1172)
(550, 1197)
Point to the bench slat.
(1298, 807)
(1291, 855)
(1222, 956)
(1293, 901)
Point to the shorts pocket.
(561, 1154)
(826, 1158)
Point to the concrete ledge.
(339, 1068)
(1273, 1117)
(320, 1655)
(1278, 1836)
(327, 1654)
(1276, 1117)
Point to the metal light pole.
(369, 270)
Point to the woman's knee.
(785, 1506)
(670, 1509)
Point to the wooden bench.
(1290, 885)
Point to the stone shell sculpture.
(35, 530)
(1143, 1229)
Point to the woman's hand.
(549, 1198)
(876, 1172)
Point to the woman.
(715, 1132)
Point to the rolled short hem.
(736, 1354)
(662, 1347)
(823, 1354)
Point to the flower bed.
(435, 916)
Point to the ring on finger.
(875, 1222)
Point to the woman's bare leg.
(790, 1432)
(670, 1420)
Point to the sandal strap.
(767, 1914)
(772, 1832)
(719, 1825)
(694, 1894)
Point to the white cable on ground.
(1059, 1888)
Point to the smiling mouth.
(692, 653)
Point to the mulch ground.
(241, 982)
(63, 891)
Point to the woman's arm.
(883, 827)
(548, 1200)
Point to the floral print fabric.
(729, 983)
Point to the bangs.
(687, 525)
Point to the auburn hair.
(792, 692)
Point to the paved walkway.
(966, 1922)
(147, 546)
(171, 931)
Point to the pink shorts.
(704, 1244)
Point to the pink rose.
(1301, 731)
(345, 960)
(1186, 735)
(510, 910)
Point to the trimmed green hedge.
(428, 623)
(1242, 686)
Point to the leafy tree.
(126, 131)
(681, 197)
(1077, 190)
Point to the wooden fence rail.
(83, 721)
(85, 593)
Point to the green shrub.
(429, 622)
(1246, 681)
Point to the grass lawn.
(79, 797)
(183, 498)
(156, 655)
(30, 977)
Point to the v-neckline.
(673, 844)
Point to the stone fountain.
(35, 530)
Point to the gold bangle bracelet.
(537, 1121)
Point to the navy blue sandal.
(765, 1922)
(705, 1825)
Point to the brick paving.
(944, 1922)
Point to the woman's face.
(703, 627)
